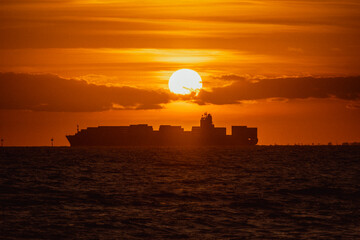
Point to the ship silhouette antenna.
(52, 142)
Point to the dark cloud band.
(52, 93)
(347, 88)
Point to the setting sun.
(185, 81)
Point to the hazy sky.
(290, 68)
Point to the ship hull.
(78, 141)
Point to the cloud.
(149, 24)
(353, 105)
(346, 88)
(230, 77)
(53, 93)
(297, 50)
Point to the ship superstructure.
(143, 135)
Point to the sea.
(257, 192)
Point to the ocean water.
(260, 192)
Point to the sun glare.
(185, 81)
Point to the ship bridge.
(206, 121)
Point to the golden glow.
(185, 81)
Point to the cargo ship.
(143, 135)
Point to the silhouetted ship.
(144, 135)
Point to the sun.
(185, 81)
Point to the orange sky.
(290, 68)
